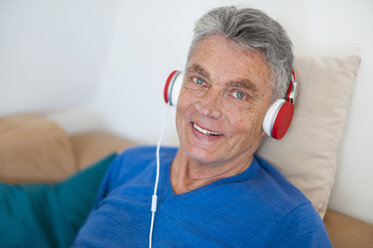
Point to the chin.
(202, 155)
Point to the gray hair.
(252, 29)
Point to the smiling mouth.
(204, 131)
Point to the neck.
(187, 174)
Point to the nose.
(209, 105)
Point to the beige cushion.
(33, 149)
(307, 155)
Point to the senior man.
(213, 190)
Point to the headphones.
(277, 119)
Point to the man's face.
(223, 101)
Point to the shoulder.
(301, 225)
(135, 161)
(274, 196)
(146, 152)
(286, 194)
(141, 154)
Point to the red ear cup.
(166, 94)
(172, 87)
(283, 120)
(278, 117)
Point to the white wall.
(52, 52)
(151, 38)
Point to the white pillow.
(307, 155)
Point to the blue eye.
(238, 95)
(198, 81)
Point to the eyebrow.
(196, 68)
(244, 83)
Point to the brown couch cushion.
(33, 149)
(345, 231)
(90, 147)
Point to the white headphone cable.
(154, 197)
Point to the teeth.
(198, 128)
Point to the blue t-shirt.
(256, 208)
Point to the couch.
(34, 150)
